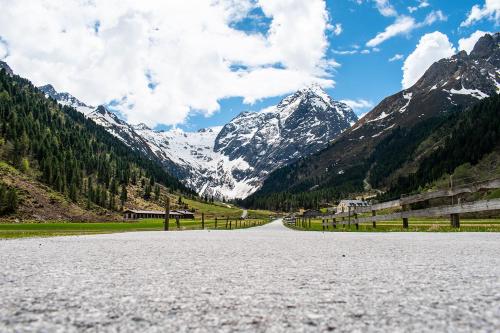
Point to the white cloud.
(404, 25)
(467, 44)
(422, 4)
(358, 104)
(490, 10)
(345, 52)
(337, 29)
(434, 16)
(106, 50)
(396, 57)
(385, 8)
(431, 48)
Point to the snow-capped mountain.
(232, 161)
(453, 83)
(66, 99)
(450, 85)
(458, 81)
(101, 116)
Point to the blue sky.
(372, 76)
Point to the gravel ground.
(262, 279)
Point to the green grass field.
(220, 209)
(50, 229)
(415, 225)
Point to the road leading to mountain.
(260, 279)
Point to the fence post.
(349, 216)
(356, 220)
(202, 221)
(167, 214)
(230, 227)
(405, 219)
(334, 223)
(215, 222)
(374, 223)
(455, 220)
(323, 224)
(177, 222)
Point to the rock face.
(303, 122)
(233, 160)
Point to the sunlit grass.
(49, 229)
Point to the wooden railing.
(453, 211)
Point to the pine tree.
(123, 195)
(157, 192)
(147, 192)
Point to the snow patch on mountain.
(471, 92)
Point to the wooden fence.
(453, 211)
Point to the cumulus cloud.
(431, 48)
(490, 10)
(359, 104)
(396, 57)
(160, 61)
(404, 25)
(467, 44)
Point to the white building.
(344, 205)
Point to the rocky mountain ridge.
(232, 161)
(450, 85)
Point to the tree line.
(68, 152)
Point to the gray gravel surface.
(262, 279)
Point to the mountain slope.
(59, 147)
(233, 160)
(451, 84)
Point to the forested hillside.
(74, 156)
(405, 161)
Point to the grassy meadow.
(50, 229)
(415, 225)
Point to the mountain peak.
(314, 88)
(8, 70)
(141, 127)
(486, 45)
(64, 98)
(49, 90)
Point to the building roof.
(185, 212)
(156, 212)
(354, 203)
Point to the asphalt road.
(262, 279)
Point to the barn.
(132, 214)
